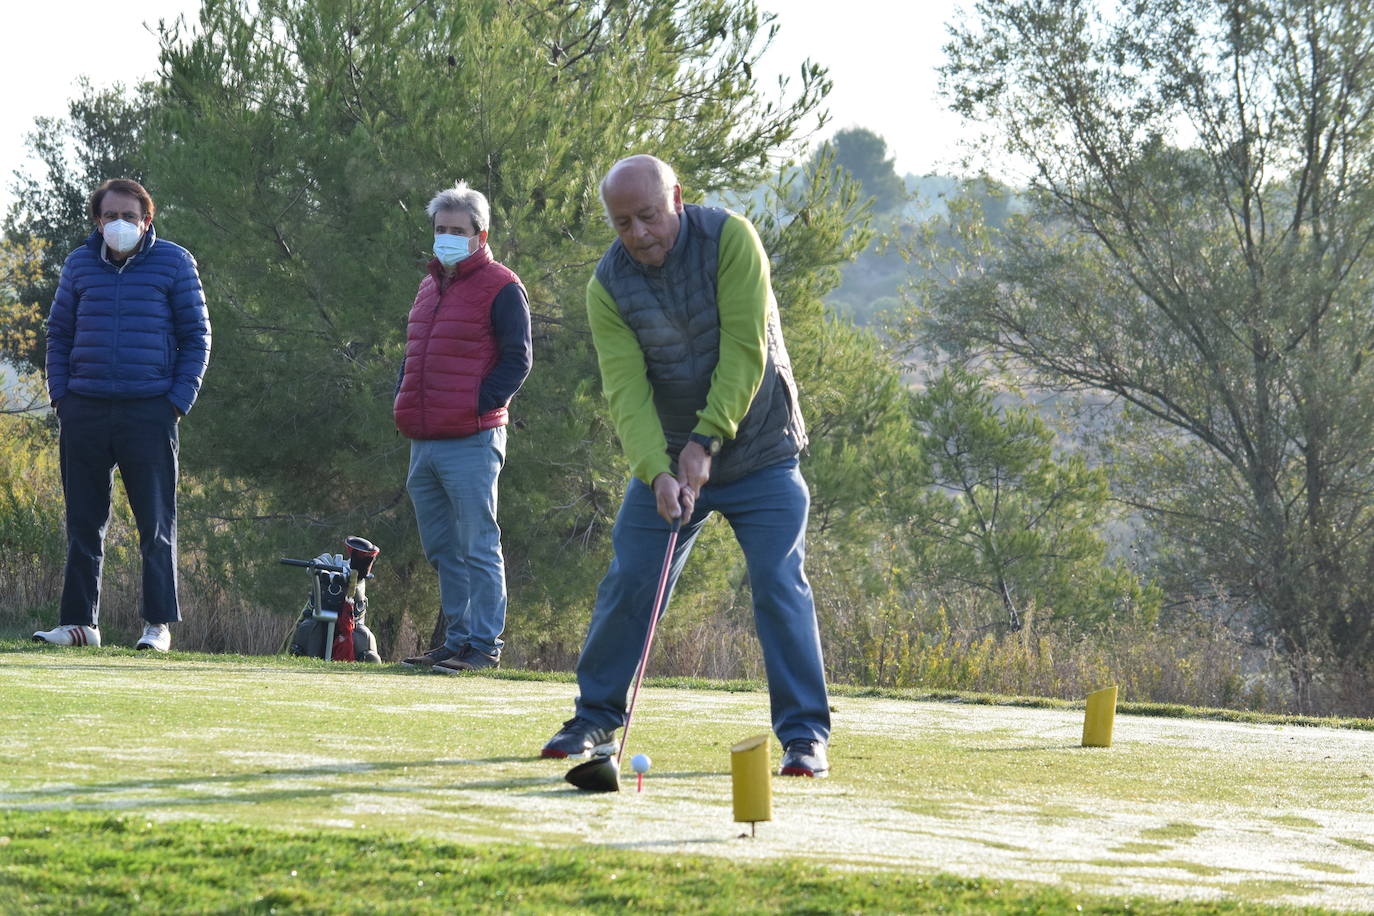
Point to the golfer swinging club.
(700, 390)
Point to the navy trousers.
(138, 436)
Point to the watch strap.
(710, 443)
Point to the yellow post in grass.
(1097, 719)
(750, 772)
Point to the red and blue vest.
(450, 349)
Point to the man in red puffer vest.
(467, 353)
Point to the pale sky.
(881, 55)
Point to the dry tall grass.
(1190, 659)
(931, 641)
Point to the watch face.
(710, 444)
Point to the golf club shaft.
(659, 601)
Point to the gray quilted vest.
(672, 311)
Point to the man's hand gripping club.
(678, 495)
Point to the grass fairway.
(220, 784)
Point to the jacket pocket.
(789, 389)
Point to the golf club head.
(600, 774)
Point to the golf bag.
(332, 626)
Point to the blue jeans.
(767, 510)
(452, 483)
(140, 437)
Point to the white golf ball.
(641, 763)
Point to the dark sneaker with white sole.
(431, 658)
(469, 659)
(580, 738)
(804, 757)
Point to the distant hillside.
(873, 282)
(928, 194)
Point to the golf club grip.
(311, 564)
(659, 602)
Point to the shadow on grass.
(1023, 748)
(281, 660)
(69, 659)
(33, 799)
(60, 797)
(629, 779)
(650, 844)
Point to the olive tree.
(1203, 192)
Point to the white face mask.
(121, 235)
(450, 249)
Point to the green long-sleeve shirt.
(744, 296)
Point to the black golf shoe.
(431, 658)
(580, 738)
(804, 757)
(469, 659)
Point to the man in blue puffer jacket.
(128, 343)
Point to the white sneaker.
(156, 636)
(69, 634)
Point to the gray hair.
(461, 197)
(666, 176)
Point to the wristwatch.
(710, 443)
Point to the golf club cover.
(362, 553)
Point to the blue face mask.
(450, 249)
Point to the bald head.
(643, 203)
(640, 168)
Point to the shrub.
(32, 538)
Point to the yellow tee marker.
(750, 780)
(1097, 719)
